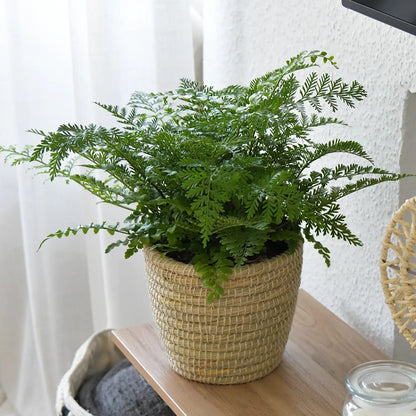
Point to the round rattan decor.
(398, 269)
(236, 339)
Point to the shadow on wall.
(407, 189)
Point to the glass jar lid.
(383, 382)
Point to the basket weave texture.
(236, 339)
(398, 269)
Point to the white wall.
(244, 39)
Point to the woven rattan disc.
(398, 269)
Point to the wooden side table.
(308, 382)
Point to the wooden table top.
(308, 382)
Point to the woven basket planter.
(238, 338)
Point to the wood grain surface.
(308, 382)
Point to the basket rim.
(280, 260)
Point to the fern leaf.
(340, 192)
(241, 243)
(333, 146)
(111, 229)
(309, 85)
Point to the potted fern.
(220, 189)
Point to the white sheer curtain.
(56, 58)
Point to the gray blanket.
(121, 391)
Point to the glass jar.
(381, 388)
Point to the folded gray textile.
(121, 391)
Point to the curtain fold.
(57, 58)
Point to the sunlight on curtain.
(57, 57)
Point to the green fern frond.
(308, 156)
(227, 222)
(242, 243)
(111, 229)
(340, 192)
(318, 246)
(309, 85)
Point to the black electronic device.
(398, 13)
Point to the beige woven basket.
(398, 269)
(237, 339)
